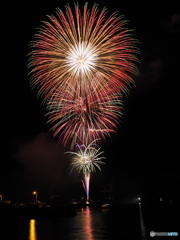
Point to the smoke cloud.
(46, 165)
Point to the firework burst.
(82, 62)
(73, 117)
(72, 48)
(87, 158)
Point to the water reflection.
(88, 223)
(142, 225)
(32, 229)
(121, 222)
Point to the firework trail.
(87, 182)
(86, 159)
(82, 63)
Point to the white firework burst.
(87, 158)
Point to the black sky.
(143, 157)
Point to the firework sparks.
(87, 158)
(90, 52)
(74, 117)
(72, 48)
(82, 62)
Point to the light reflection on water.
(142, 225)
(32, 229)
(89, 224)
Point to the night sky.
(142, 158)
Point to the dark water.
(89, 224)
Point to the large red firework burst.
(82, 62)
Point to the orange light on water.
(88, 224)
(32, 229)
